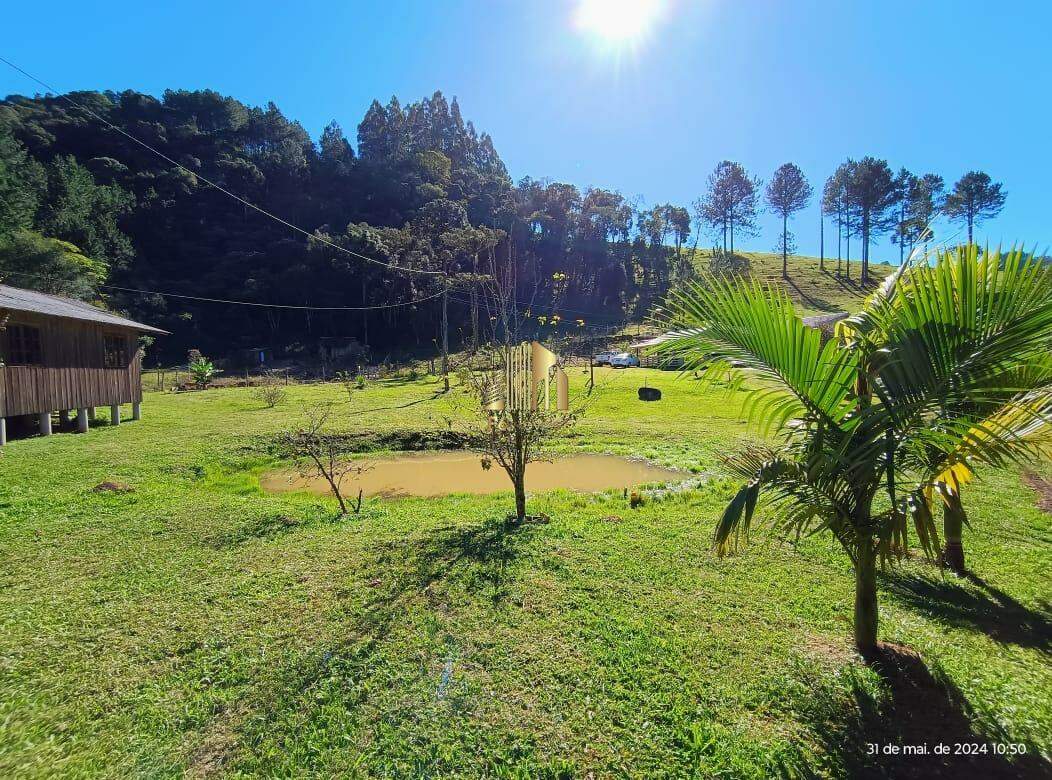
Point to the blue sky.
(934, 86)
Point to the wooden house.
(62, 355)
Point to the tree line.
(864, 198)
(422, 190)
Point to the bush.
(270, 393)
(201, 369)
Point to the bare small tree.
(319, 454)
(511, 432)
(509, 436)
(351, 382)
(270, 392)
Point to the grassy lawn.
(194, 624)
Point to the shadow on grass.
(349, 666)
(476, 556)
(821, 304)
(981, 607)
(915, 711)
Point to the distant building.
(341, 351)
(252, 357)
(62, 355)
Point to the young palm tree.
(971, 297)
(857, 415)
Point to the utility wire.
(274, 305)
(211, 183)
(239, 303)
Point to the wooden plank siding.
(72, 372)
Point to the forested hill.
(421, 188)
(85, 209)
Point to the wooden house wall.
(73, 373)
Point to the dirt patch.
(829, 650)
(1042, 487)
(112, 487)
(213, 753)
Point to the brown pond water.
(441, 473)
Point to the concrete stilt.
(63, 418)
(3, 431)
(91, 413)
(115, 414)
(82, 420)
(45, 423)
(136, 411)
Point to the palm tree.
(972, 294)
(855, 415)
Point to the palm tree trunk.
(953, 517)
(866, 599)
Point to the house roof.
(16, 299)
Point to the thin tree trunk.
(902, 222)
(445, 334)
(865, 254)
(785, 253)
(520, 498)
(821, 242)
(839, 238)
(365, 317)
(847, 251)
(953, 517)
(866, 599)
(474, 305)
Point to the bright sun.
(617, 22)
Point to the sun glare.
(617, 23)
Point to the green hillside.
(814, 291)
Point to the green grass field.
(195, 625)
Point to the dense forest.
(104, 195)
(84, 205)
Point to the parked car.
(624, 360)
(603, 358)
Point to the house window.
(116, 351)
(23, 346)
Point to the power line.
(554, 309)
(274, 305)
(241, 303)
(211, 183)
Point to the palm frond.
(738, 328)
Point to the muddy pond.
(430, 474)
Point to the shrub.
(202, 370)
(270, 393)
